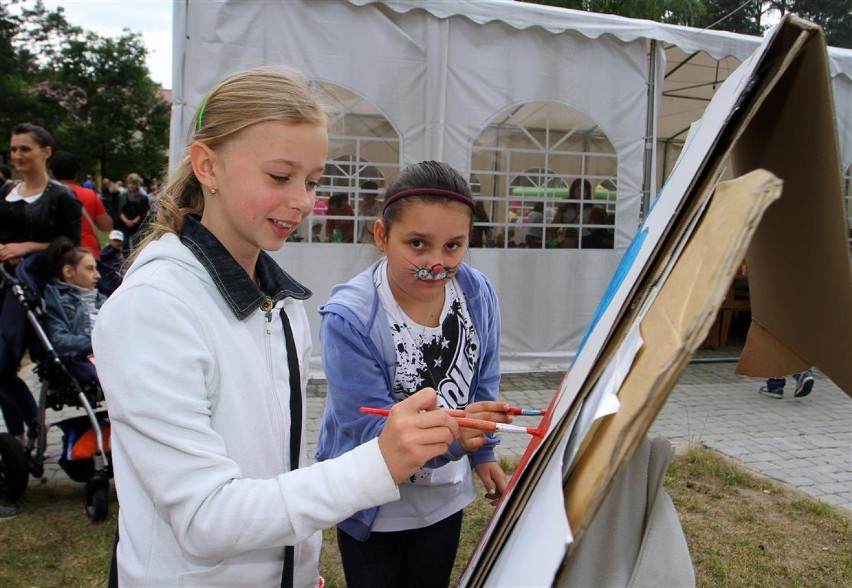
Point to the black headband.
(429, 192)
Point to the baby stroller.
(59, 389)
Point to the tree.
(94, 94)
(834, 16)
(17, 67)
(734, 16)
(738, 16)
(110, 105)
(682, 12)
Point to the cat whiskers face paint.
(434, 273)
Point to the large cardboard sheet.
(798, 263)
(674, 276)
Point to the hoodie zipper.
(267, 308)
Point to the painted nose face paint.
(436, 272)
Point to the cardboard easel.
(775, 115)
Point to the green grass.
(747, 530)
(52, 542)
(742, 530)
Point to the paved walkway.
(806, 443)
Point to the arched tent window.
(482, 233)
(528, 157)
(363, 152)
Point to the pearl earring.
(213, 191)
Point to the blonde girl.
(202, 353)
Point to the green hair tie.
(200, 116)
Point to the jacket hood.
(197, 246)
(168, 248)
(359, 294)
(356, 300)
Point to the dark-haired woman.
(33, 212)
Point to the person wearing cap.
(110, 262)
(116, 236)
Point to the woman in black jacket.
(33, 212)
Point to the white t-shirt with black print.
(444, 358)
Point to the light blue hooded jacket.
(359, 360)
(68, 319)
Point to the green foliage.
(94, 94)
(737, 16)
(834, 16)
(681, 12)
(732, 16)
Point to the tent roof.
(520, 15)
(697, 60)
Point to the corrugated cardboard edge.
(676, 323)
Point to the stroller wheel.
(14, 475)
(97, 498)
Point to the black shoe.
(804, 384)
(777, 393)
(8, 512)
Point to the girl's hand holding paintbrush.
(488, 416)
(414, 433)
(472, 439)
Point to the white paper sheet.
(603, 399)
(535, 548)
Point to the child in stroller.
(72, 303)
(61, 351)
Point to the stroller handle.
(34, 311)
(8, 278)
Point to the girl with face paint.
(417, 318)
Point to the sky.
(151, 18)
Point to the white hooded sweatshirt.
(199, 404)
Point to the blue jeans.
(777, 383)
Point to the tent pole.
(650, 138)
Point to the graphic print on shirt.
(441, 357)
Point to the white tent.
(435, 75)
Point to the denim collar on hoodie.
(239, 291)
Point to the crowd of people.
(577, 222)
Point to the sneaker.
(8, 512)
(804, 384)
(777, 393)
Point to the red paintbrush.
(478, 424)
